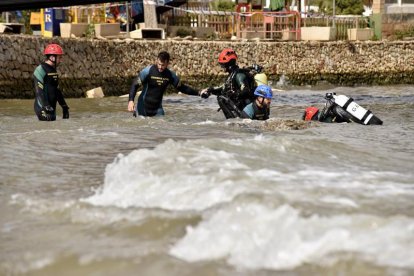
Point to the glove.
(65, 110)
(204, 93)
(47, 112)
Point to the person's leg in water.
(160, 112)
(139, 110)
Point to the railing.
(263, 25)
(342, 24)
(222, 23)
(269, 25)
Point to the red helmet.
(227, 55)
(53, 49)
(310, 113)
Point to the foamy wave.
(254, 236)
(206, 122)
(198, 174)
(173, 176)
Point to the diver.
(260, 108)
(155, 80)
(237, 91)
(341, 109)
(46, 81)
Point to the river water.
(104, 193)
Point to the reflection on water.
(190, 193)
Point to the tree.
(353, 7)
(349, 7)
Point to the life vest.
(358, 113)
(260, 113)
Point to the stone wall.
(112, 64)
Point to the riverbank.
(112, 64)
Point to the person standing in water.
(154, 80)
(46, 80)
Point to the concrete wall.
(393, 22)
(389, 18)
(112, 64)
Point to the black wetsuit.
(47, 93)
(235, 93)
(333, 113)
(155, 84)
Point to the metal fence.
(223, 25)
(342, 24)
(269, 25)
(264, 25)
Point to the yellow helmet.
(261, 79)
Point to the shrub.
(183, 32)
(407, 32)
(222, 5)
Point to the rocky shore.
(112, 64)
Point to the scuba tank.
(356, 112)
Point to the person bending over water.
(341, 109)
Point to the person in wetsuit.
(337, 113)
(260, 108)
(237, 91)
(332, 115)
(46, 79)
(155, 80)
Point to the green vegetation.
(349, 7)
(222, 5)
(26, 21)
(183, 32)
(90, 31)
(407, 32)
(342, 7)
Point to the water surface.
(104, 193)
